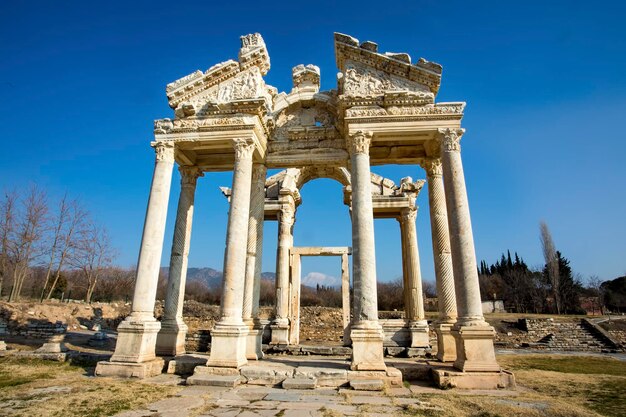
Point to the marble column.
(446, 298)
(280, 325)
(228, 337)
(418, 326)
(366, 333)
(345, 298)
(171, 337)
(294, 299)
(474, 337)
(135, 348)
(252, 288)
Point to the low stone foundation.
(332, 373)
(451, 378)
(130, 370)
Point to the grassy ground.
(559, 386)
(30, 387)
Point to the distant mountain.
(212, 278)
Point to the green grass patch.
(585, 365)
(608, 397)
(9, 380)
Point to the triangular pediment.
(367, 73)
(224, 83)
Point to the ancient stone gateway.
(296, 253)
(382, 112)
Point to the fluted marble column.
(280, 325)
(446, 346)
(253, 263)
(367, 333)
(418, 326)
(474, 337)
(228, 337)
(135, 348)
(171, 337)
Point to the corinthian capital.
(450, 139)
(189, 175)
(432, 166)
(408, 214)
(359, 142)
(164, 151)
(287, 214)
(243, 148)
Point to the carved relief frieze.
(315, 122)
(366, 111)
(362, 81)
(456, 108)
(248, 84)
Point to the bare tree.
(595, 285)
(93, 255)
(69, 222)
(552, 262)
(7, 228)
(57, 228)
(28, 235)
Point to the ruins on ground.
(383, 111)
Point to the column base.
(228, 346)
(171, 338)
(254, 343)
(474, 348)
(367, 347)
(280, 333)
(136, 340)
(446, 344)
(419, 334)
(130, 370)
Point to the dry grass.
(555, 386)
(597, 384)
(42, 388)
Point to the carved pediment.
(227, 82)
(367, 73)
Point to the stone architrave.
(171, 337)
(474, 337)
(280, 325)
(446, 345)
(136, 335)
(418, 326)
(228, 337)
(367, 333)
(252, 288)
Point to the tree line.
(55, 249)
(551, 289)
(47, 246)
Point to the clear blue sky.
(80, 85)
